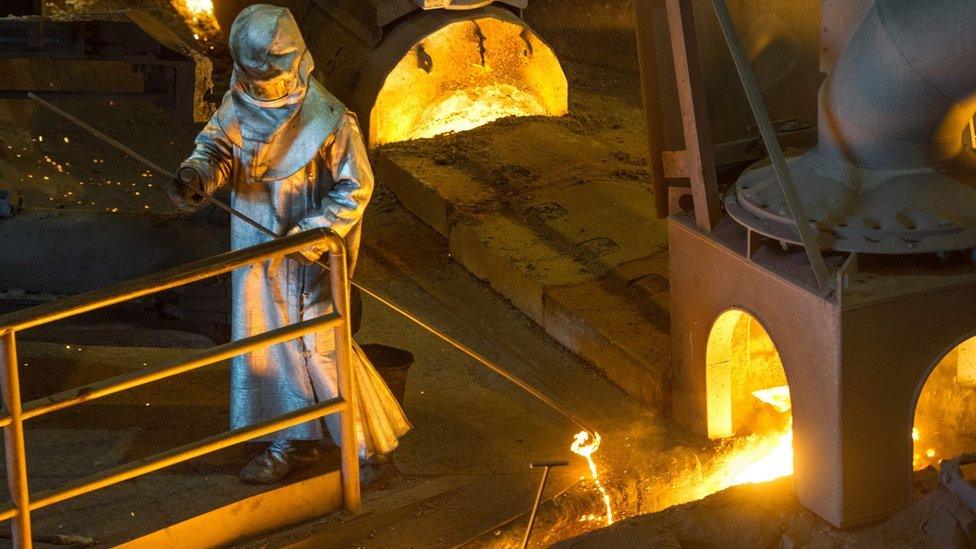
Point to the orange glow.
(585, 446)
(943, 426)
(466, 74)
(747, 393)
(469, 108)
(777, 397)
(199, 16)
(771, 457)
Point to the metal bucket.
(392, 365)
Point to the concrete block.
(616, 330)
(514, 261)
(431, 191)
(649, 276)
(604, 222)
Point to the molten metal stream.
(586, 446)
(767, 462)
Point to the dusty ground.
(769, 515)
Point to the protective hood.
(269, 111)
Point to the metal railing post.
(13, 441)
(346, 373)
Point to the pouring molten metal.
(585, 446)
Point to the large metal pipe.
(892, 115)
(903, 90)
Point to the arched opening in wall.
(945, 413)
(468, 73)
(748, 396)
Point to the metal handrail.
(16, 412)
(99, 389)
(165, 280)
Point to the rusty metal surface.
(854, 368)
(368, 19)
(645, 14)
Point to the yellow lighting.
(769, 460)
(200, 7)
(469, 108)
(199, 17)
(777, 397)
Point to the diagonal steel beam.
(800, 219)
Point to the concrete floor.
(469, 424)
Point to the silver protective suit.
(295, 160)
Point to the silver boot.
(280, 459)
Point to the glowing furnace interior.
(943, 426)
(748, 397)
(469, 72)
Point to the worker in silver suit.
(294, 159)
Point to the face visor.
(281, 80)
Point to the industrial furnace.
(872, 289)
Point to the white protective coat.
(293, 164)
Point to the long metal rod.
(413, 318)
(535, 508)
(178, 455)
(807, 236)
(346, 383)
(515, 380)
(344, 404)
(512, 519)
(498, 343)
(13, 443)
(117, 384)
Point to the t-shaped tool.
(548, 465)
